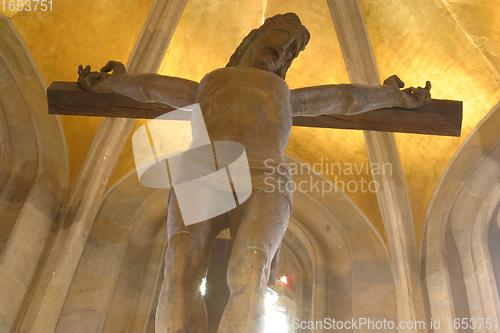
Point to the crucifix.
(441, 117)
(247, 102)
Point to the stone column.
(392, 196)
(85, 199)
(33, 175)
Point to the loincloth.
(270, 175)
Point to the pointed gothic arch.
(34, 171)
(458, 269)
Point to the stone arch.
(33, 175)
(117, 278)
(340, 261)
(350, 268)
(456, 260)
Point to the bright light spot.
(203, 287)
(271, 298)
(275, 320)
(284, 280)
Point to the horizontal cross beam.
(441, 117)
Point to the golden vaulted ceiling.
(453, 43)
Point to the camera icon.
(209, 178)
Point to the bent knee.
(181, 240)
(186, 247)
(248, 271)
(250, 259)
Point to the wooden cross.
(441, 117)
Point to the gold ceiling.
(453, 43)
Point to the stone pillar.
(392, 196)
(33, 175)
(85, 199)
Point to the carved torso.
(252, 107)
(247, 105)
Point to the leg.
(257, 227)
(181, 307)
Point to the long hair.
(291, 18)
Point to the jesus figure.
(248, 102)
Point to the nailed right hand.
(411, 98)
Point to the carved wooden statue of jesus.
(248, 102)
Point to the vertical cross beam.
(392, 196)
(85, 199)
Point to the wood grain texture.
(67, 98)
(441, 117)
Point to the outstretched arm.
(173, 91)
(352, 99)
